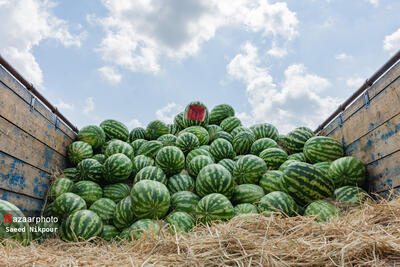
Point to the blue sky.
(289, 63)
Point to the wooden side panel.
(385, 172)
(28, 205)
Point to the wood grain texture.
(384, 173)
(28, 205)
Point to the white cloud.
(392, 42)
(167, 113)
(375, 3)
(354, 82)
(89, 106)
(277, 51)
(295, 101)
(110, 74)
(24, 24)
(137, 35)
(343, 56)
(65, 106)
(134, 123)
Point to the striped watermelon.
(58, 187)
(81, 225)
(261, 144)
(205, 147)
(221, 112)
(240, 129)
(101, 158)
(167, 139)
(281, 142)
(277, 201)
(272, 181)
(116, 192)
(171, 160)
(196, 113)
(229, 164)
(224, 135)
(265, 130)
(242, 142)
(198, 163)
(351, 195)
(69, 173)
(178, 121)
(322, 148)
(324, 165)
(214, 178)
(118, 146)
(236, 158)
(214, 207)
(184, 201)
(151, 173)
(230, 123)
(104, 147)
(93, 135)
(67, 203)
(134, 231)
(285, 164)
(187, 142)
(180, 222)
(137, 144)
(295, 140)
(249, 169)
(150, 149)
(150, 199)
(245, 208)
(155, 129)
(115, 130)
(24, 237)
(347, 171)
(52, 210)
(90, 169)
(200, 132)
(123, 213)
(137, 133)
(139, 162)
(109, 232)
(104, 207)
(197, 152)
(323, 210)
(180, 182)
(298, 156)
(79, 151)
(273, 157)
(221, 149)
(306, 183)
(172, 129)
(88, 190)
(247, 193)
(212, 130)
(117, 168)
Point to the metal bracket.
(32, 103)
(57, 122)
(340, 119)
(366, 98)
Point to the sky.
(289, 63)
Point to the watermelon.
(347, 171)
(247, 193)
(117, 168)
(261, 144)
(298, 156)
(171, 160)
(228, 164)
(187, 142)
(197, 152)
(93, 135)
(205, 147)
(221, 112)
(44, 230)
(156, 129)
(25, 236)
(265, 130)
(272, 181)
(322, 148)
(134, 231)
(184, 201)
(242, 142)
(245, 208)
(118, 146)
(323, 210)
(285, 164)
(198, 163)
(172, 129)
(180, 182)
(224, 135)
(196, 113)
(214, 207)
(116, 192)
(88, 190)
(295, 140)
(137, 133)
(212, 130)
(136, 145)
(249, 169)
(67, 203)
(351, 195)
(167, 139)
(115, 130)
(324, 165)
(230, 123)
(200, 132)
(150, 199)
(273, 157)
(104, 207)
(52, 211)
(104, 147)
(277, 201)
(90, 169)
(303, 128)
(109, 232)
(221, 149)
(79, 151)
(178, 121)
(306, 183)
(139, 162)
(151, 173)
(236, 158)
(69, 173)
(180, 222)
(58, 187)
(101, 158)
(240, 129)
(81, 225)
(150, 149)
(123, 213)
(214, 178)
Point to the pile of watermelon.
(203, 168)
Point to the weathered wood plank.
(19, 144)
(14, 109)
(384, 173)
(28, 205)
(19, 177)
(390, 194)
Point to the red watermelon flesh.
(196, 112)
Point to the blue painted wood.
(28, 205)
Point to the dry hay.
(364, 236)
